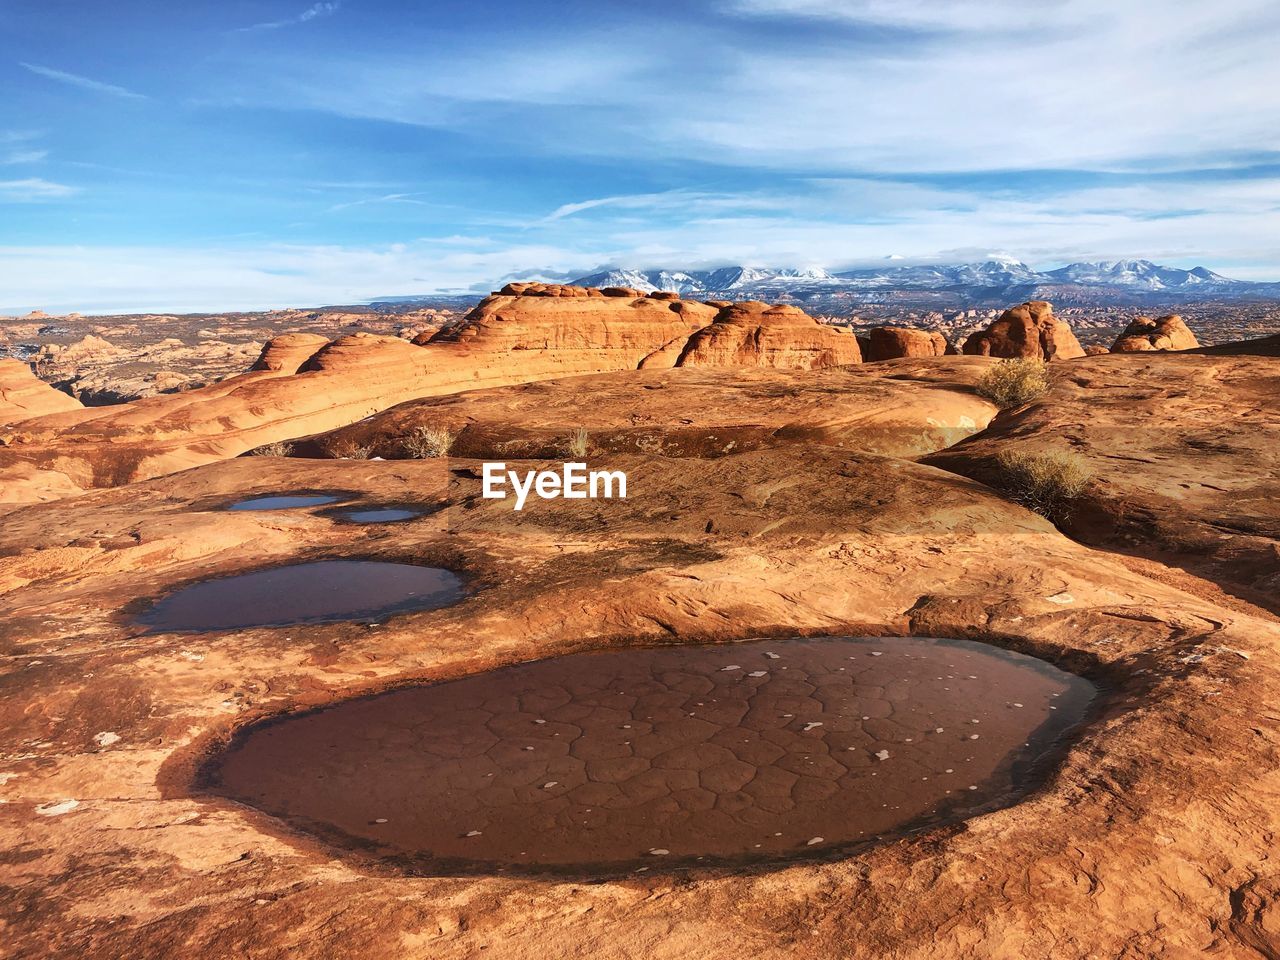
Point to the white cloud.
(1065, 84)
(23, 156)
(33, 189)
(311, 13)
(85, 83)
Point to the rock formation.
(288, 352)
(24, 395)
(1029, 330)
(754, 334)
(539, 332)
(890, 343)
(1162, 333)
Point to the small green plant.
(1011, 383)
(280, 448)
(428, 441)
(579, 444)
(1047, 482)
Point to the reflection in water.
(322, 590)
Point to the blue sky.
(254, 153)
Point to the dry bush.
(427, 442)
(280, 448)
(579, 443)
(349, 450)
(1048, 483)
(1011, 383)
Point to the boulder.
(1162, 333)
(1028, 330)
(1095, 350)
(892, 343)
(754, 334)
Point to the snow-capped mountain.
(1142, 274)
(998, 276)
(707, 281)
(992, 282)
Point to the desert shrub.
(428, 441)
(1047, 482)
(349, 450)
(280, 448)
(579, 443)
(1011, 383)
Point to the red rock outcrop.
(892, 343)
(1162, 333)
(1028, 330)
(1095, 350)
(754, 334)
(288, 352)
(24, 395)
(507, 339)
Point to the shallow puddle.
(285, 501)
(647, 758)
(317, 591)
(375, 514)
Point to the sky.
(265, 153)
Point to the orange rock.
(890, 343)
(288, 352)
(24, 395)
(1028, 330)
(1162, 333)
(753, 334)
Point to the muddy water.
(291, 501)
(319, 591)
(649, 758)
(376, 514)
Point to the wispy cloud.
(85, 83)
(387, 198)
(23, 156)
(33, 189)
(324, 9)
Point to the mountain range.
(1131, 276)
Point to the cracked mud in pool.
(647, 758)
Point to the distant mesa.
(1162, 333)
(1029, 331)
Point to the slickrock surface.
(1186, 454)
(757, 335)
(1153, 836)
(1162, 333)
(1262, 347)
(1029, 330)
(899, 408)
(890, 343)
(24, 395)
